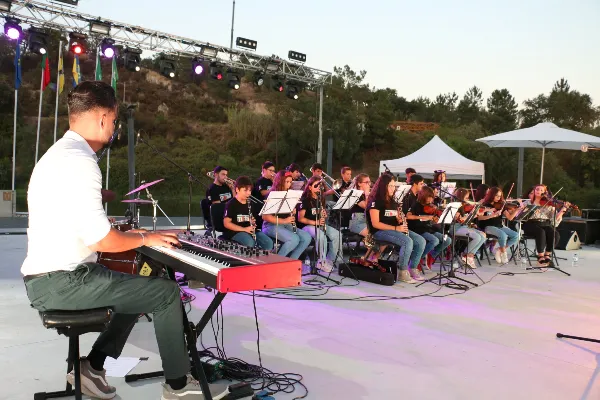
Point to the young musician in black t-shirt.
(476, 237)
(239, 221)
(219, 191)
(491, 223)
(311, 218)
(409, 172)
(384, 223)
(358, 224)
(281, 227)
(264, 183)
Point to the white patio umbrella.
(544, 135)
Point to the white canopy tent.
(433, 156)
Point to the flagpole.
(57, 88)
(37, 141)
(14, 155)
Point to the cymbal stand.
(154, 207)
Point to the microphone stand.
(191, 179)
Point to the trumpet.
(336, 184)
(228, 181)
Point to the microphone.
(386, 168)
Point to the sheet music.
(281, 202)
(401, 191)
(348, 199)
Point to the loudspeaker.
(569, 240)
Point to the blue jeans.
(418, 248)
(331, 244)
(245, 239)
(435, 243)
(293, 245)
(358, 223)
(476, 238)
(406, 246)
(506, 236)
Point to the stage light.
(37, 41)
(294, 55)
(77, 43)
(167, 66)
(197, 65)
(209, 51)
(107, 47)
(272, 65)
(100, 28)
(132, 59)
(234, 80)
(216, 72)
(69, 2)
(246, 43)
(277, 85)
(12, 29)
(292, 92)
(259, 78)
(5, 5)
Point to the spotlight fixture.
(234, 79)
(132, 59)
(37, 42)
(259, 78)
(5, 5)
(100, 28)
(246, 43)
(77, 43)
(12, 29)
(107, 47)
(216, 72)
(292, 91)
(197, 66)
(272, 65)
(167, 66)
(209, 51)
(277, 84)
(294, 55)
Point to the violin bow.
(472, 192)
(506, 198)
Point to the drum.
(125, 261)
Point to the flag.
(98, 67)
(61, 74)
(115, 75)
(46, 71)
(76, 71)
(18, 66)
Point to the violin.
(545, 201)
(431, 209)
(506, 205)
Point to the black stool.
(72, 324)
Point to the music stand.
(282, 202)
(346, 201)
(401, 191)
(523, 216)
(472, 215)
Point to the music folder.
(449, 213)
(283, 202)
(348, 199)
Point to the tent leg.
(542, 173)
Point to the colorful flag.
(76, 71)
(46, 71)
(115, 75)
(98, 67)
(61, 74)
(18, 66)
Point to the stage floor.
(496, 341)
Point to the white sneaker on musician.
(505, 257)
(416, 274)
(470, 262)
(93, 383)
(193, 391)
(498, 256)
(405, 277)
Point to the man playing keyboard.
(60, 270)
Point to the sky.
(419, 48)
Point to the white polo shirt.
(65, 208)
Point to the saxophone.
(252, 221)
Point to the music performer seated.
(296, 171)
(358, 224)
(219, 191)
(476, 237)
(282, 226)
(239, 221)
(264, 183)
(60, 270)
(409, 172)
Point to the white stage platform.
(492, 342)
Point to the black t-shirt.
(409, 202)
(310, 205)
(356, 208)
(496, 221)
(261, 184)
(239, 215)
(416, 225)
(387, 214)
(218, 193)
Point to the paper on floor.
(120, 367)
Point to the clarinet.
(294, 228)
(402, 216)
(252, 221)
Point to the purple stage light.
(198, 69)
(109, 52)
(13, 33)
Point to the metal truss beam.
(68, 19)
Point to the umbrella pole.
(542, 173)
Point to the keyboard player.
(60, 270)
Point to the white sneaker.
(505, 257)
(405, 277)
(193, 391)
(416, 274)
(470, 261)
(498, 256)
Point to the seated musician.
(439, 177)
(264, 183)
(358, 224)
(282, 227)
(541, 223)
(316, 169)
(296, 171)
(219, 191)
(476, 238)
(239, 221)
(385, 224)
(344, 183)
(421, 223)
(312, 217)
(409, 172)
(491, 222)
(60, 270)
(481, 192)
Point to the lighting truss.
(52, 16)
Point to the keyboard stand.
(192, 332)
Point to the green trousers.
(92, 286)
